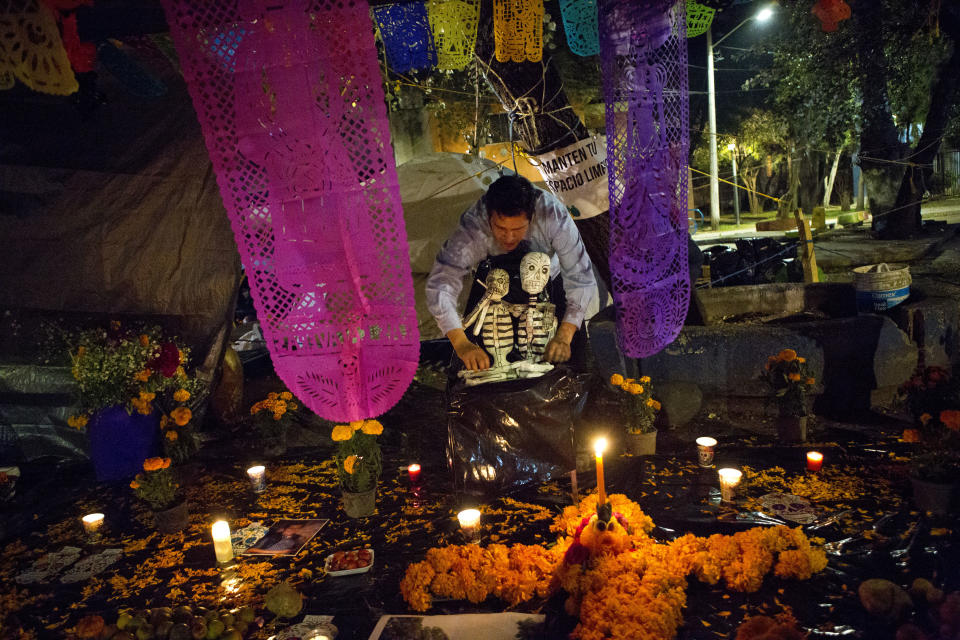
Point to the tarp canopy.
(117, 214)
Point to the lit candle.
(705, 447)
(814, 460)
(414, 472)
(258, 478)
(222, 547)
(92, 523)
(599, 446)
(470, 524)
(729, 479)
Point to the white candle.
(92, 523)
(222, 547)
(470, 524)
(705, 447)
(258, 478)
(729, 479)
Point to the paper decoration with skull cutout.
(538, 321)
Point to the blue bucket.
(120, 442)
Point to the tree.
(893, 64)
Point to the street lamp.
(761, 16)
(732, 148)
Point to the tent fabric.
(117, 215)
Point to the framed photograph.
(285, 537)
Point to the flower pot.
(935, 497)
(642, 444)
(792, 428)
(120, 442)
(360, 505)
(174, 519)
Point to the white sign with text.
(577, 174)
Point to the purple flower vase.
(120, 442)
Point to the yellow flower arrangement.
(119, 366)
(358, 458)
(273, 414)
(638, 594)
(638, 408)
(786, 373)
(155, 484)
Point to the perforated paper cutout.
(454, 27)
(580, 24)
(518, 30)
(298, 135)
(699, 18)
(407, 40)
(643, 60)
(31, 50)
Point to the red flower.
(168, 360)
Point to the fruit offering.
(178, 623)
(349, 560)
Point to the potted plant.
(786, 374)
(358, 465)
(272, 417)
(156, 486)
(935, 466)
(122, 375)
(639, 412)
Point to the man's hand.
(474, 358)
(558, 349)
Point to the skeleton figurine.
(538, 322)
(491, 318)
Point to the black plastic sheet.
(506, 434)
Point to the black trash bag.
(503, 435)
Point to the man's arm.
(460, 254)
(579, 284)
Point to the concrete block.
(934, 326)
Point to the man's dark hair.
(511, 196)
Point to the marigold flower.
(164, 421)
(787, 355)
(650, 402)
(181, 395)
(342, 433)
(180, 372)
(81, 351)
(655, 405)
(801, 360)
(147, 396)
(616, 379)
(645, 380)
(273, 395)
(348, 464)
(372, 427)
(172, 435)
(286, 395)
(911, 435)
(153, 464)
(635, 389)
(142, 376)
(291, 406)
(950, 419)
(278, 416)
(794, 377)
(134, 484)
(181, 415)
(165, 463)
(811, 381)
(77, 422)
(144, 340)
(356, 425)
(925, 418)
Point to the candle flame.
(599, 446)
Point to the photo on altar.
(286, 537)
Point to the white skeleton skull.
(534, 272)
(498, 283)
